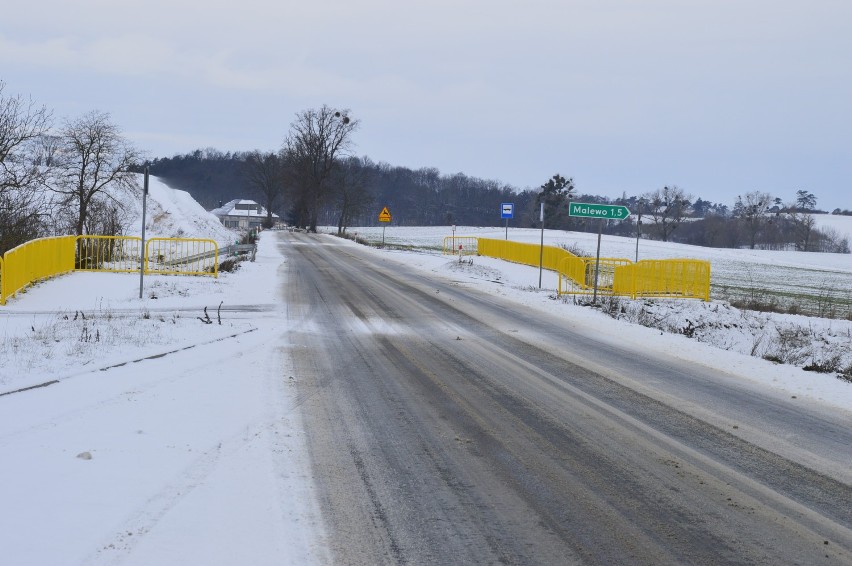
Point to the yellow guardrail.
(577, 275)
(166, 256)
(526, 254)
(468, 245)
(47, 257)
(683, 278)
(116, 254)
(185, 256)
(33, 261)
(552, 258)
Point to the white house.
(242, 214)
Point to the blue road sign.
(507, 210)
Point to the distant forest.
(425, 197)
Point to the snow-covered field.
(840, 224)
(158, 438)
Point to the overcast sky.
(718, 97)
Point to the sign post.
(603, 212)
(142, 251)
(507, 211)
(384, 218)
(541, 249)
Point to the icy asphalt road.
(446, 426)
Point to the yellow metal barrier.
(47, 257)
(182, 256)
(34, 261)
(116, 254)
(683, 278)
(526, 254)
(577, 275)
(468, 245)
(167, 256)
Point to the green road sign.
(590, 210)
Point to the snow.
(164, 440)
(173, 213)
(197, 454)
(840, 223)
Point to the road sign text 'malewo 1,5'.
(593, 210)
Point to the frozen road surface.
(448, 426)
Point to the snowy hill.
(172, 213)
(841, 224)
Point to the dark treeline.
(425, 197)
(209, 175)
(421, 197)
(416, 197)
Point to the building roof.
(241, 207)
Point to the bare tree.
(832, 241)
(93, 158)
(48, 151)
(22, 124)
(668, 208)
(351, 188)
(804, 228)
(316, 139)
(753, 211)
(264, 173)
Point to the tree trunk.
(81, 221)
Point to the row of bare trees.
(757, 219)
(771, 223)
(70, 178)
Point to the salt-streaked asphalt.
(447, 426)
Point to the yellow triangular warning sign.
(385, 215)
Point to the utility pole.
(638, 226)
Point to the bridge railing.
(184, 256)
(35, 260)
(116, 254)
(48, 257)
(674, 278)
(577, 275)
